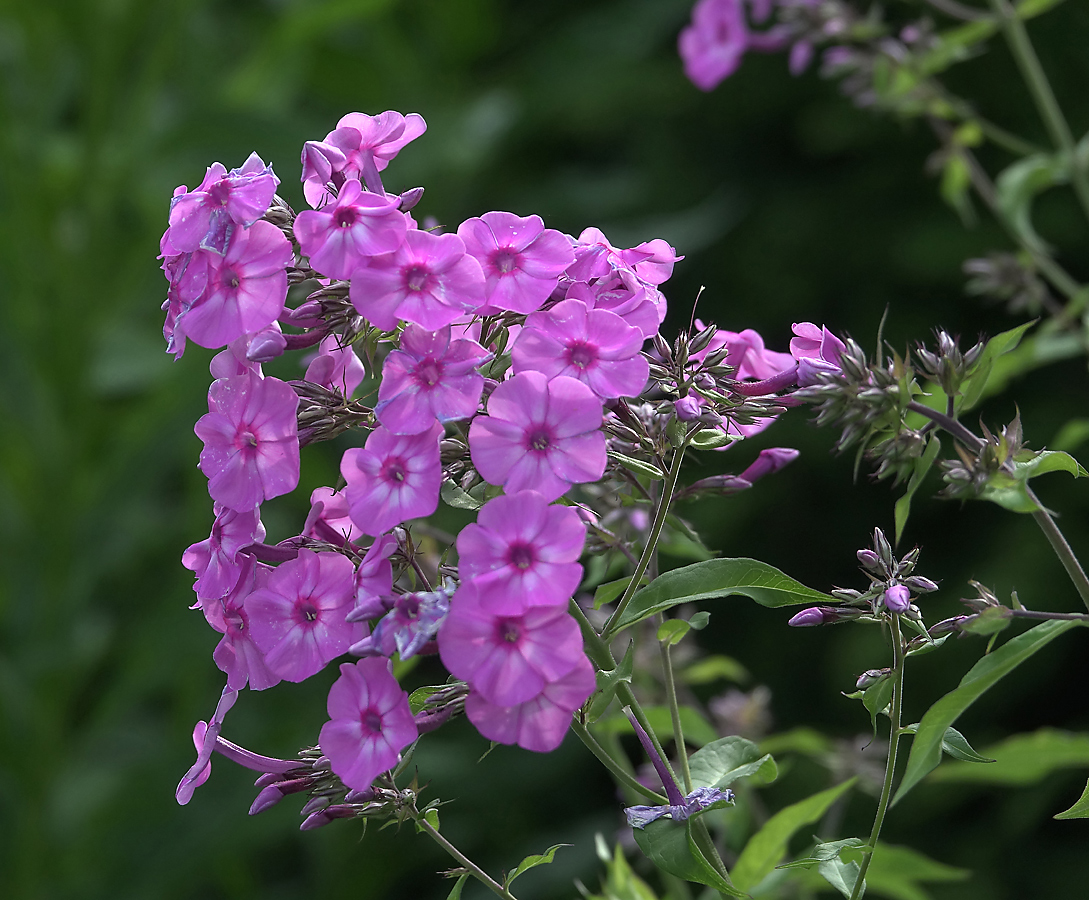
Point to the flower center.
(230, 278)
(345, 218)
(520, 556)
(394, 470)
(246, 441)
(219, 193)
(539, 439)
(371, 721)
(409, 606)
(505, 260)
(508, 631)
(416, 278)
(428, 373)
(308, 612)
(581, 354)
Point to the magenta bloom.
(539, 434)
(429, 280)
(374, 581)
(593, 345)
(221, 298)
(341, 237)
(297, 619)
(370, 722)
(360, 147)
(393, 478)
(215, 560)
(430, 377)
(202, 218)
(329, 519)
(335, 367)
(768, 462)
(409, 625)
(522, 260)
(639, 305)
(817, 350)
(237, 655)
(508, 659)
(747, 354)
(251, 444)
(898, 598)
(712, 46)
(539, 723)
(522, 552)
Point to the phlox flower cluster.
(508, 358)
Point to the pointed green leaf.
(531, 862)
(972, 388)
(956, 745)
(922, 466)
(719, 578)
(711, 439)
(637, 466)
(1049, 461)
(926, 749)
(824, 851)
(699, 620)
(841, 875)
(876, 699)
(1017, 187)
(670, 847)
(1023, 759)
(455, 891)
(1079, 810)
(418, 697)
(672, 630)
(766, 847)
(720, 763)
(607, 593)
(897, 871)
(453, 495)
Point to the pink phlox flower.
(747, 355)
(203, 218)
(593, 345)
(245, 354)
(374, 581)
(768, 462)
(251, 445)
(540, 435)
(711, 47)
(522, 260)
(429, 280)
(328, 519)
(342, 236)
(237, 655)
(508, 659)
(393, 478)
(298, 618)
(335, 367)
(221, 298)
(522, 552)
(370, 722)
(214, 560)
(897, 598)
(407, 628)
(640, 305)
(817, 350)
(359, 147)
(205, 741)
(537, 724)
(430, 377)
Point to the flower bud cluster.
(946, 365)
(1009, 278)
(967, 476)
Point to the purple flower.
(711, 47)
(221, 298)
(215, 560)
(593, 345)
(522, 552)
(639, 305)
(374, 581)
(898, 598)
(236, 655)
(508, 659)
(329, 519)
(246, 353)
(746, 354)
(205, 740)
(341, 237)
(370, 722)
(430, 377)
(522, 260)
(768, 462)
(408, 626)
(539, 723)
(539, 434)
(251, 445)
(429, 280)
(817, 350)
(298, 618)
(336, 367)
(393, 478)
(202, 218)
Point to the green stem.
(664, 501)
(675, 713)
(617, 770)
(478, 873)
(1061, 547)
(890, 766)
(1042, 95)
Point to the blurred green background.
(788, 203)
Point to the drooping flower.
(429, 280)
(393, 478)
(370, 722)
(540, 435)
(335, 367)
(522, 260)
(412, 622)
(200, 770)
(539, 723)
(251, 445)
(508, 659)
(593, 345)
(298, 618)
(430, 377)
(522, 552)
(214, 560)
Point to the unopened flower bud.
(314, 804)
(410, 198)
(870, 560)
(920, 584)
(266, 345)
(267, 799)
(363, 796)
(807, 617)
(687, 408)
(267, 779)
(325, 816)
(898, 598)
(847, 595)
(870, 677)
(948, 626)
(769, 461)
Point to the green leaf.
(711, 439)
(876, 699)
(670, 847)
(803, 740)
(720, 763)
(608, 682)
(712, 668)
(766, 847)
(1023, 759)
(926, 749)
(455, 496)
(1072, 435)
(531, 862)
(607, 593)
(972, 388)
(896, 872)
(1041, 349)
(719, 578)
(956, 745)
(929, 647)
(419, 696)
(431, 817)
(638, 466)
(1079, 810)
(1049, 461)
(841, 875)
(455, 891)
(697, 730)
(922, 466)
(1017, 186)
(621, 883)
(699, 620)
(672, 630)
(825, 851)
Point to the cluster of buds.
(975, 469)
(1011, 279)
(946, 364)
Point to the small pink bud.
(898, 598)
(807, 617)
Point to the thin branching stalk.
(471, 867)
(675, 713)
